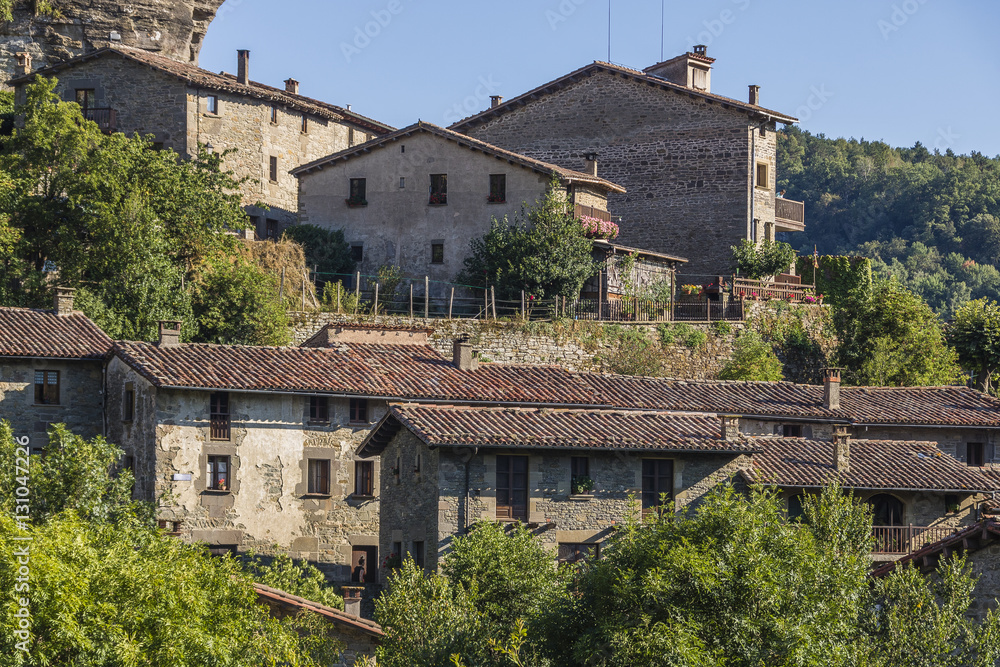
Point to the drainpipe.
(465, 509)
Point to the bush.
(722, 328)
(767, 259)
(326, 250)
(236, 303)
(753, 359)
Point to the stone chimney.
(292, 86)
(730, 427)
(842, 449)
(243, 67)
(692, 69)
(63, 305)
(754, 95)
(831, 388)
(591, 159)
(170, 333)
(464, 357)
(22, 66)
(352, 599)
(495, 101)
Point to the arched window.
(886, 510)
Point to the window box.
(356, 203)
(438, 199)
(496, 199)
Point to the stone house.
(628, 272)
(571, 475)
(699, 168)
(52, 370)
(182, 106)
(416, 197)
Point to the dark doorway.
(364, 565)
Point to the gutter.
(878, 488)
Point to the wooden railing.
(581, 210)
(106, 119)
(906, 539)
(744, 288)
(790, 210)
(642, 310)
(219, 427)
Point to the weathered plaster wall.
(81, 398)
(684, 161)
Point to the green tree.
(753, 359)
(298, 578)
(325, 249)
(888, 336)
(975, 335)
(762, 260)
(544, 252)
(236, 303)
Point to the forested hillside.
(931, 219)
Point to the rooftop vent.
(23, 64)
(831, 388)
(170, 333)
(842, 449)
(591, 159)
(755, 95)
(292, 86)
(243, 67)
(63, 304)
(464, 357)
(730, 427)
(495, 101)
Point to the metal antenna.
(662, 24)
(609, 30)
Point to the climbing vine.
(38, 8)
(836, 276)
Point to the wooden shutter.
(512, 487)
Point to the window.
(762, 180)
(700, 79)
(417, 464)
(47, 387)
(402, 182)
(274, 114)
(357, 252)
(212, 105)
(271, 229)
(218, 473)
(274, 168)
(439, 189)
(795, 510)
(791, 430)
(359, 411)
(498, 188)
(319, 476)
(512, 487)
(575, 553)
(418, 553)
(364, 565)
(350, 137)
(974, 454)
(364, 478)
(657, 483)
(86, 98)
(952, 503)
(437, 253)
(359, 192)
(305, 124)
(128, 403)
(219, 407)
(580, 475)
(319, 409)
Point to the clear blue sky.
(897, 70)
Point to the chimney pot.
(352, 599)
(495, 101)
(730, 427)
(63, 305)
(243, 68)
(23, 66)
(591, 159)
(842, 449)
(831, 388)
(755, 95)
(700, 50)
(464, 357)
(292, 86)
(170, 333)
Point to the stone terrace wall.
(587, 346)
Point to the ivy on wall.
(836, 276)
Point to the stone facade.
(267, 504)
(431, 507)
(688, 162)
(176, 113)
(81, 398)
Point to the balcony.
(106, 119)
(903, 540)
(789, 215)
(579, 210)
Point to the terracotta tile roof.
(874, 464)
(338, 617)
(197, 76)
(959, 406)
(42, 333)
(599, 66)
(567, 175)
(557, 429)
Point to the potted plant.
(438, 199)
(495, 199)
(356, 202)
(392, 562)
(581, 485)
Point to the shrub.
(753, 359)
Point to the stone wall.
(684, 161)
(174, 28)
(81, 398)
(986, 567)
(267, 506)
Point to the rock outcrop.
(174, 28)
